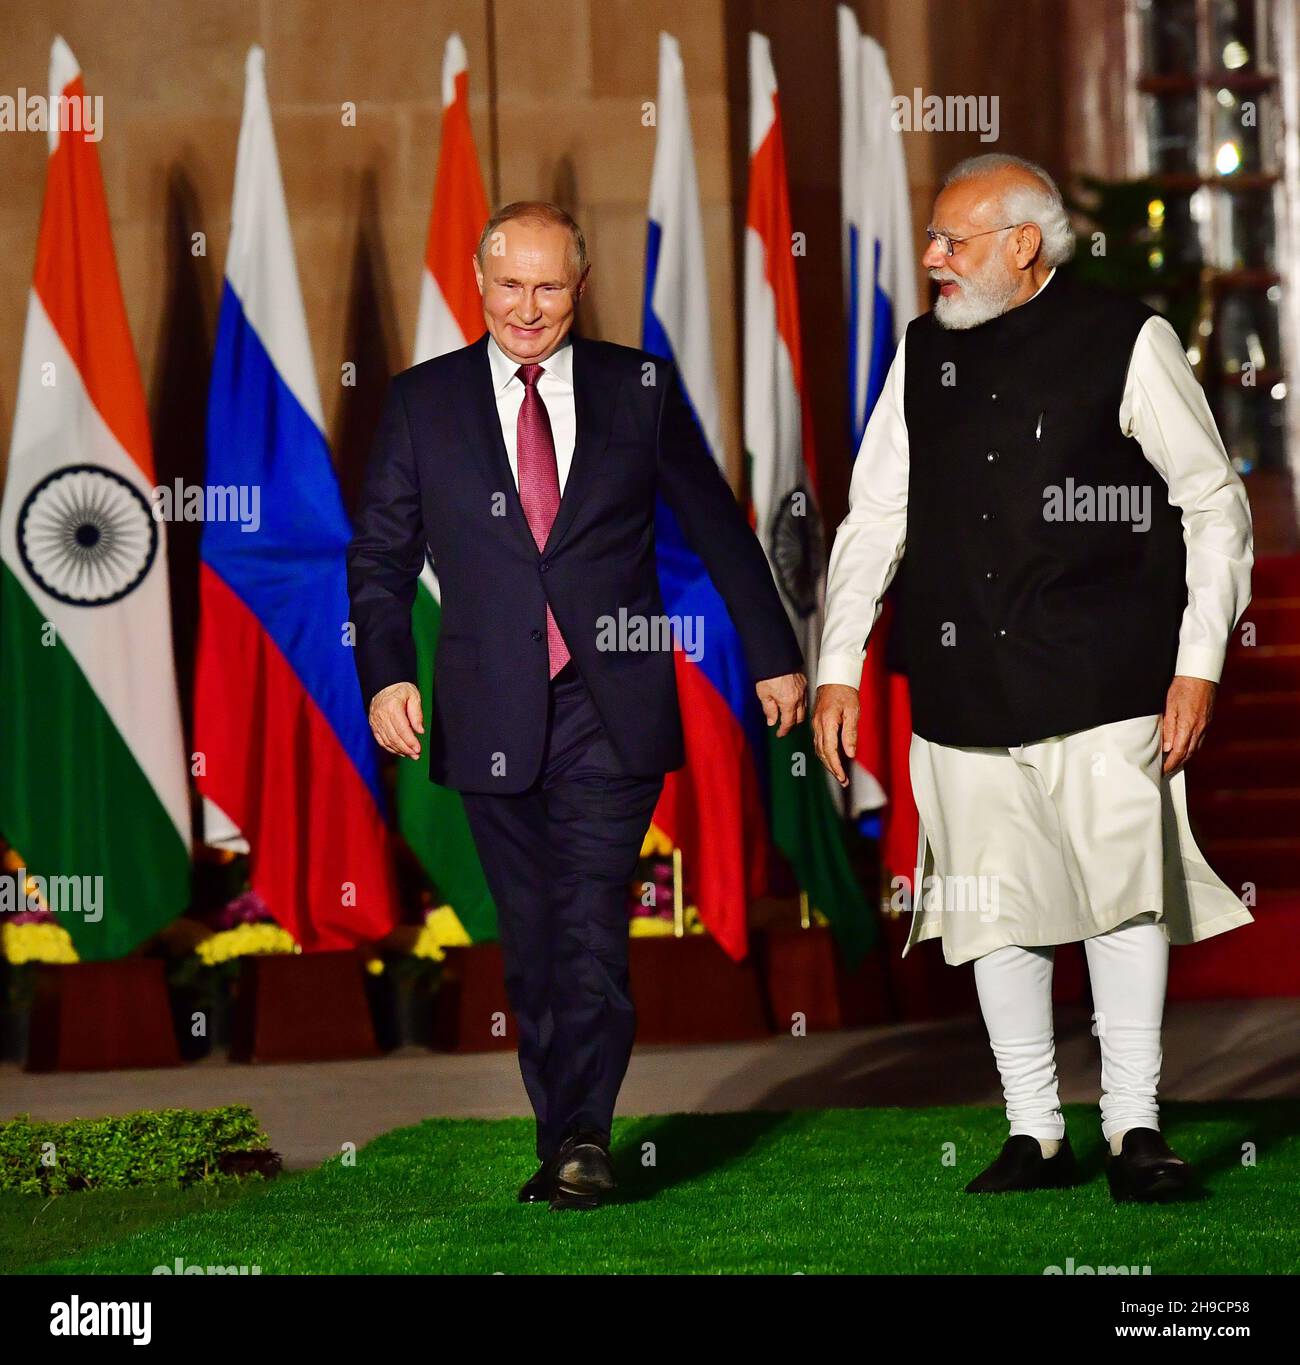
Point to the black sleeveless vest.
(1032, 601)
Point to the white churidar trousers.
(1127, 969)
(1080, 837)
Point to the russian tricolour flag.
(286, 758)
(879, 301)
(712, 809)
(879, 263)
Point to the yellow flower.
(36, 942)
(658, 926)
(442, 930)
(245, 940)
(649, 926)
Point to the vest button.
(545, 564)
(994, 397)
(999, 633)
(988, 516)
(992, 457)
(991, 575)
(536, 635)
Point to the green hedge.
(154, 1147)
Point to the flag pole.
(494, 149)
(679, 911)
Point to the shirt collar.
(557, 365)
(1042, 286)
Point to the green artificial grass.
(40, 1227)
(866, 1190)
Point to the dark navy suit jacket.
(439, 477)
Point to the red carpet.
(1244, 798)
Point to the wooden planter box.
(687, 990)
(804, 973)
(101, 1016)
(470, 1010)
(924, 986)
(302, 1007)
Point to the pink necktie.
(539, 487)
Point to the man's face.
(530, 288)
(979, 280)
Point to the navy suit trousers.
(558, 859)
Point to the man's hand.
(836, 713)
(783, 699)
(1188, 708)
(396, 717)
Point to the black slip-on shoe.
(1147, 1168)
(1021, 1165)
(539, 1186)
(584, 1174)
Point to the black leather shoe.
(583, 1172)
(539, 1186)
(1021, 1165)
(1147, 1168)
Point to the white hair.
(1020, 203)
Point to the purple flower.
(29, 917)
(249, 908)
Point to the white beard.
(980, 298)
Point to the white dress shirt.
(1163, 407)
(556, 390)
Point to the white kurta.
(1057, 841)
(1073, 854)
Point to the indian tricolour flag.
(432, 818)
(94, 782)
(783, 491)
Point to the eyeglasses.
(948, 242)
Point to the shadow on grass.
(679, 1154)
(36, 1229)
(1265, 1123)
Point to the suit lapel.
(483, 428)
(594, 398)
